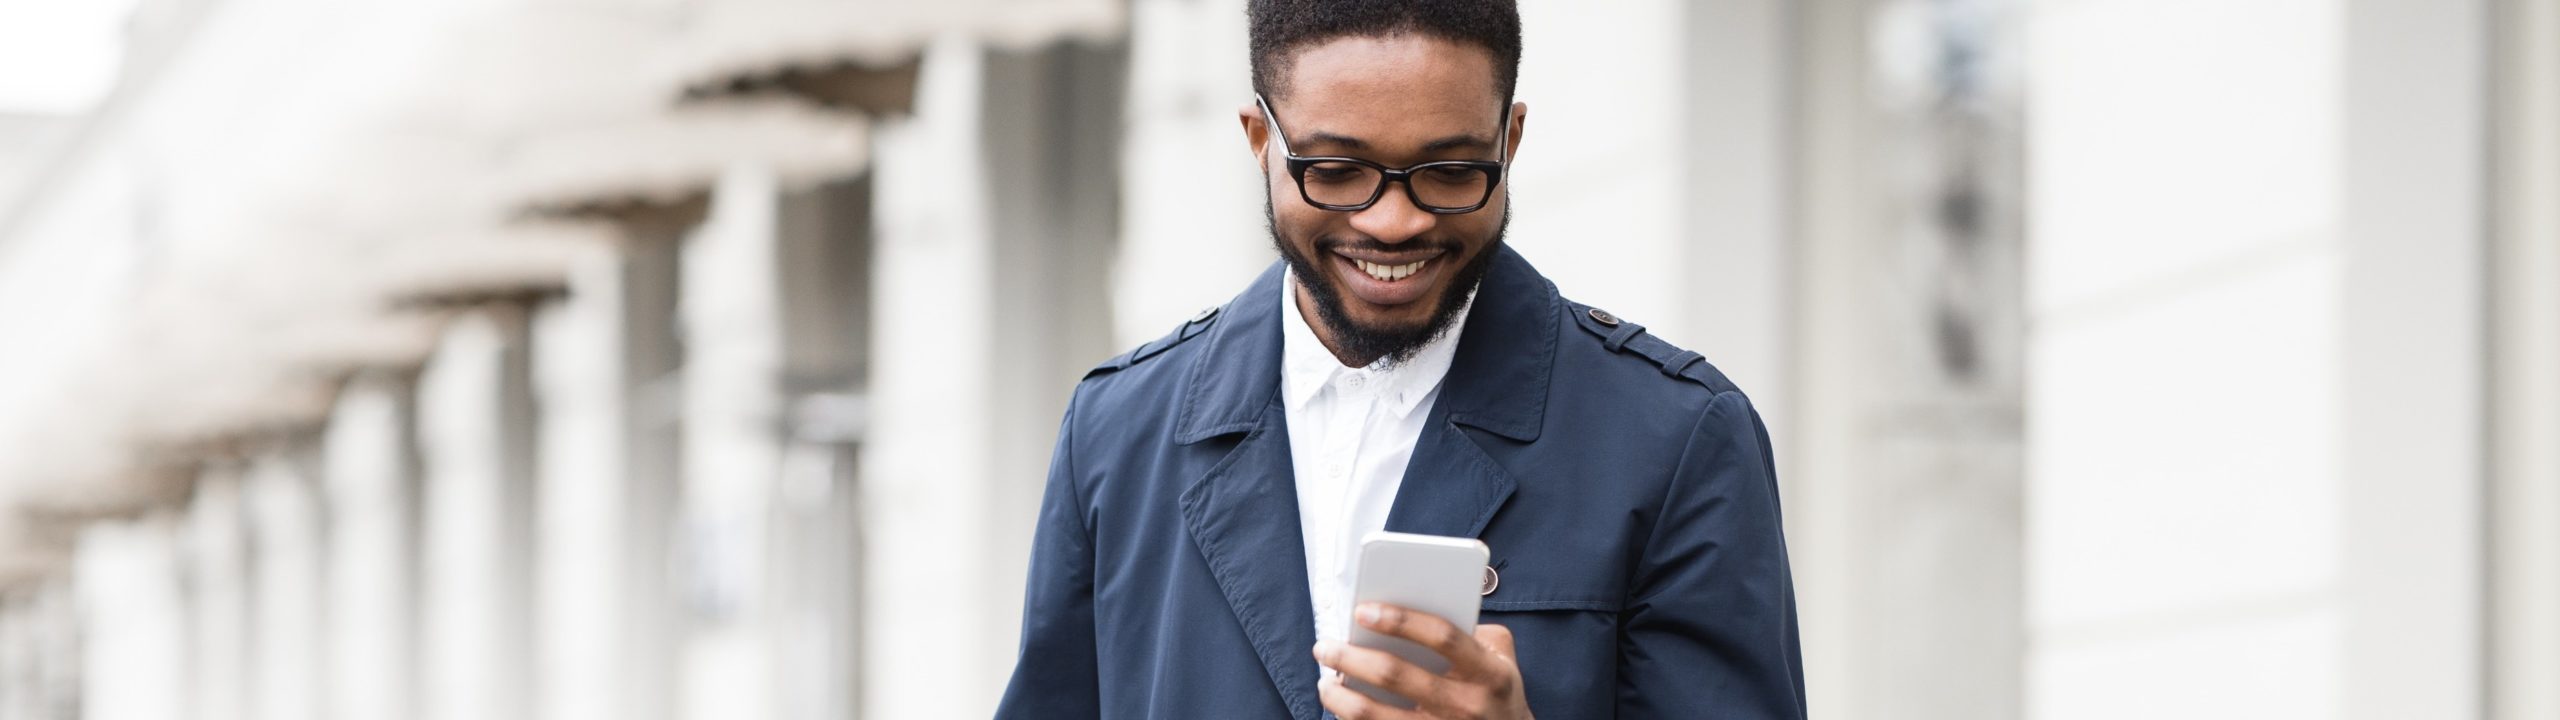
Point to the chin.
(1412, 318)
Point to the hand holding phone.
(1442, 576)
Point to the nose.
(1394, 218)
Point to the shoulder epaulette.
(1619, 335)
(1190, 328)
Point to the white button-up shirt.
(1351, 433)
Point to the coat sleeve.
(1710, 624)
(1054, 676)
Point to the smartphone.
(1439, 575)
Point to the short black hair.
(1279, 27)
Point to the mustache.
(1331, 243)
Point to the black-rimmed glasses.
(1349, 184)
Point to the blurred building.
(572, 359)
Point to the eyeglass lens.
(1445, 186)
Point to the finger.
(1497, 640)
(1349, 704)
(1380, 669)
(1425, 629)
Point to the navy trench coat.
(1624, 486)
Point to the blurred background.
(678, 359)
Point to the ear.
(1519, 128)
(1257, 133)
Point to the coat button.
(1603, 317)
(1205, 314)
(1491, 580)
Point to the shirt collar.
(1307, 368)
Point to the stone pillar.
(824, 279)
(2186, 551)
(218, 587)
(776, 292)
(20, 663)
(373, 551)
(733, 407)
(605, 376)
(47, 663)
(1905, 507)
(132, 620)
(476, 421)
(987, 313)
(1194, 232)
(2524, 496)
(1735, 247)
(280, 494)
(2416, 186)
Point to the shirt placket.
(1355, 403)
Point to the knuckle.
(1396, 676)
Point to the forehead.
(1405, 86)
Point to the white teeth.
(1390, 273)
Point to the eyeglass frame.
(1298, 165)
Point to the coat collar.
(1497, 383)
(1243, 513)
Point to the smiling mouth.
(1389, 273)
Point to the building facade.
(655, 359)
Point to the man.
(1402, 369)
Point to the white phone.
(1443, 576)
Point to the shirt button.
(1335, 469)
(1355, 381)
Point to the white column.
(285, 531)
(218, 586)
(986, 316)
(925, 485)
(2524, 630)
(372, 488)
(1193, 203)
(476, 423)
(576, 377)
(824, 278)
(2416, 185)
(18, 660)
(49, 618)
(1735, 283)
(1905, 517)
(604, 623)
(1608, 183)
(133, 620)
(732, 454)
(2184, 493)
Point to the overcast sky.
(58, 56)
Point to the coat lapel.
(1243, 513)
(1497, 385)
(1244, 517)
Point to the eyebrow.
(1453, 142)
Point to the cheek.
(1298, 224)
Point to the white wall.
(2184, 489)
(2254, 406)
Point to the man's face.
(1386, 279)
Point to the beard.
(1391, 345)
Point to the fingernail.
(1368, 614)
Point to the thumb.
(1495, 638)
